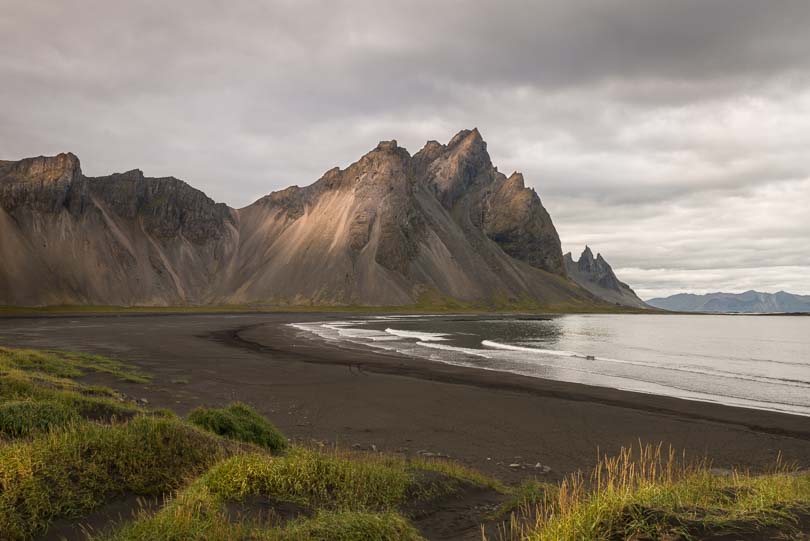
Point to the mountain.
(390, 229)
(595, 275)
(748, 302)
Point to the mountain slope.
(66, 238)
(387, 230)
(595, 275)
(748, 302)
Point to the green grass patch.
(314, 479)
(453, 471)
(38, 392)
(526, 497)
(349, 497)
(63, 364)
(351, 526)
(195, 515)
(239, 422)
(653, 493)
(67, 448)
(352, 497)
(20, 418)
(68, 472)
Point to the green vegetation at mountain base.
(428, 301)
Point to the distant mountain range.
(748, 302)
(390, 229)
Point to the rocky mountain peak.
(422, 159)
(463, 166)
(383, 230)
(385, 152)
(387, 145)
(468, 146)
(587, 263)
(64, 166)
(516, 180)
(514, 217)
(133, 174)
(41, 183)
(597, 276)
(432, 146)
(467, 138)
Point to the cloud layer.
(671, 136)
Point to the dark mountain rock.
(514, 217)
(388, 229)
(38, 184)
(597, 276)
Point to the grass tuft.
(314, 479)
(19, 418)
(351, 526)
(239, 422)
(63, 364)
(453, 471)
(67, 472)
(657, 493)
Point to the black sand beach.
(358, 398)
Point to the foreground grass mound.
(64, 364)
(67, 472)
(67, 448)
(239, 422)
(38, 391)
(334, 496)
(315, 479)
(194, 518)
(351, 526)
(647, 493)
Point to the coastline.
(315, 350)
(372, 400)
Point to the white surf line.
(557, 352)
(421, 336)
(687, 369)
(466, 351)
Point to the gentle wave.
(466, 351)
(421, 336)
(597, 370)
(354, 332)
(510, 347)
(701, 371)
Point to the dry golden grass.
(654, 491)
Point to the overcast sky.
(671, 136)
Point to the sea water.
(752, 361)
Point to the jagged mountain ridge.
(386, 230)
(753, 302)
(597, 276)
